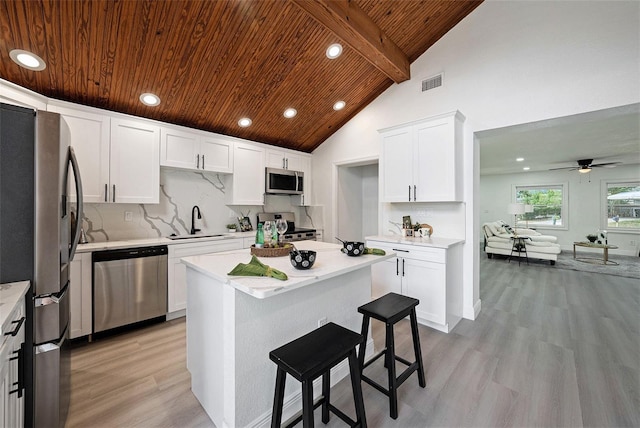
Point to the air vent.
(432, 82)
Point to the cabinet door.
(247, 182)
(276, 159)
(90, 140)
(178, 149)
(397, 175)
(216, 155)
(302, 163)
(135, 162)
(434, 161)
(386, 277)
(425, 281)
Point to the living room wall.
(584, 202)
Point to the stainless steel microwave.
(284, 182)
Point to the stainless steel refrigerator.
(37, 243)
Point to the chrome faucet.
(193, 219)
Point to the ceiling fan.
(585, 165)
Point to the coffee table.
(605, 247)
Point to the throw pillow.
(508, 229)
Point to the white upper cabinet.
(90, 139)
(246, 185)
(119, 159)
(135, 162)
(286, 159)
(196, 151)
(422, 161)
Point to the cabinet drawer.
(185, 250)
(427, 254)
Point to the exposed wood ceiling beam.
(346, 20)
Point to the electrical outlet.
(128, 216)
(322, 321)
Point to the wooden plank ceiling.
(213, 62)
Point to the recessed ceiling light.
(244, 122)
(334, 51)
(149, 99)
(27, 60)
(290, 112)
(519, 159)
(526, 168)
(339, 105)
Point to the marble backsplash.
(180, 190)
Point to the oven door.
(284, 182)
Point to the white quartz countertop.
(330, 262)
(11, 294)
(434, 241)
(149, 242)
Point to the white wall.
(584, 203)
(507, 63)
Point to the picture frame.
(406, 222)
(245, 224)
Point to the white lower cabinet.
(431, 275)
(80, 317)
(11, 352)
(177, 271)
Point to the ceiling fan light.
(584, 170)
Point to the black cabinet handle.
(402, 251)
(202, 161)
(105, 192)
(17, 329)
(198, 161)
(409, 192)
(114, 193)
(402, 267)
(397, 268)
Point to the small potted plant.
(592, 238)
(232, 227)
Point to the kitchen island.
(234, 322)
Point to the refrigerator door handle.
(51, 299)
(76, 175)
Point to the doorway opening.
(357, 200)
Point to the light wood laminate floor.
(551, 348)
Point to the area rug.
(628, 266)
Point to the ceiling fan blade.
(605, 164)
(568, 168)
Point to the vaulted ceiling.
(214, 62)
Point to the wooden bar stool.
(390, 309)
(309, 357)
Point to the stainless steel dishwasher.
(129, 285)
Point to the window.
(623, 206)
(546, 206)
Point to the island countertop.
(330, 262)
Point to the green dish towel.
(374, 251)
(256, 268)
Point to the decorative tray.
(271, 252)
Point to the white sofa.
(498, 240)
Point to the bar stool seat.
(309, 357)
(390, 309)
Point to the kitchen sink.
(176, 237)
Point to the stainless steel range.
(293, 233)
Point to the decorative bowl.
(302, 259)
(353, 248)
